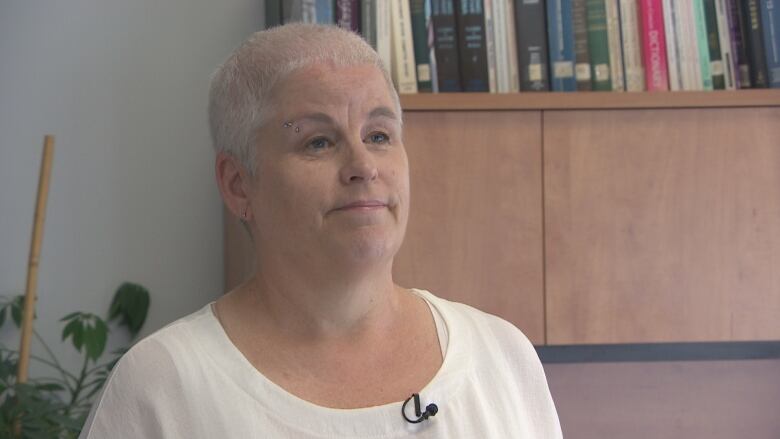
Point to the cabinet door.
(475, 226)
(662, 225)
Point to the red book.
(651, 17)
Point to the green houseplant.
(57, 406)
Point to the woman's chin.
(367, 245)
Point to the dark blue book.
(471, 44)
(531, 35)
(445, 43)
(770, 19)
(751, 12)
(560, 43)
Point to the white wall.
(123, 87)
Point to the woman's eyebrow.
(382, 111)
(316, 117)
(377, 112)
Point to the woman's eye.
(318, 144)
(379, 138)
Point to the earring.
(246, 208)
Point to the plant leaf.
(69, 328)
(131, 304)
(50, 387)
(16, 310)
(70, 316)
(95, 338)
(78, 335)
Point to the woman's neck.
(328, 304)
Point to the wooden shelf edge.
(589, 100)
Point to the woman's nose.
(359, 164)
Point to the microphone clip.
(430, 410)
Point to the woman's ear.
(233, 181)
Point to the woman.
(320, 342)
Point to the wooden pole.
(32, 266)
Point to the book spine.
(384, 33)
(431, 47)
(632, 51)
(738, 43)
(420, 42)
(702, 44)
(530, 22)
(403, 51)
(615, 46)
(511, 39)
(500, 41)
(368, 21)
(726, 55)
(561, 45)
(324, 11)
(471, 42)
(598, 45)
(755, 44)
(687, 54)
(273, 13)
(309, 11)
(490, 44)
(581, 55)
(717, 71)
(770, 16)
(445, 40)
(651, 20)
(672, 46)
(348, 15)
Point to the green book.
(422, 54)
(702, 45)
(713, 42)
(598, 44)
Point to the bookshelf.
(598, 218)
(590, 100)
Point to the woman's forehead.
(323, 97)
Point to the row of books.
(560, 45)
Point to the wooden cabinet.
(475, 224)
(662, 225)
(595, 217)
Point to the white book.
(615, 46)
(724, 37)
(672, 40)
(501, 45)
(632, 51)
(403, 65)
(431, 47)
(384, 36)
(490, 43)
(687, 49)
(514, 73)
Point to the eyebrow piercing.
(288, 124)
(297, 129)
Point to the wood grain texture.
(475, 227)
(589, 100)
(662, 225)
(670, 400)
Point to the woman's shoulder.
(465, 314)
(172, 339)
(485, 330)
(148, 378)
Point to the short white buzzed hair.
(241, 86)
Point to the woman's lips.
(363, 205)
